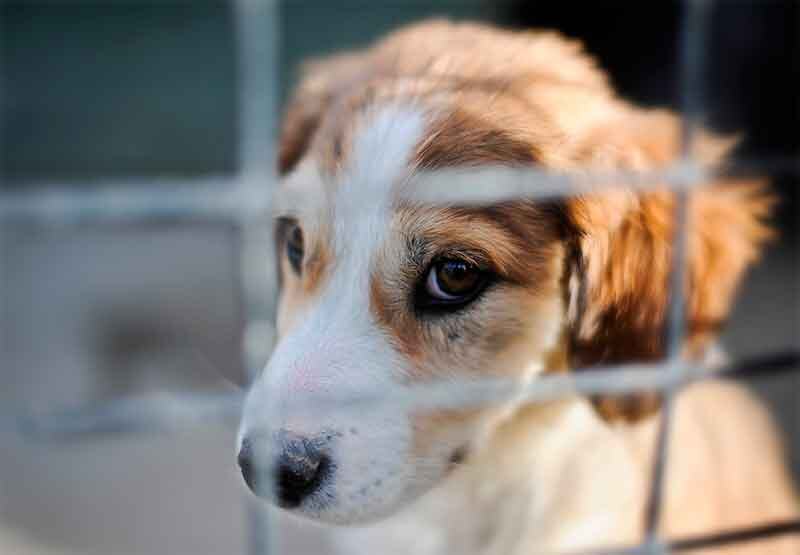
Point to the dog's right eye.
(294, 248)
(450, 284)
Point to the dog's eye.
(294, 247)
(452, 282)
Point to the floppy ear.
(623, 246)
(321, 82)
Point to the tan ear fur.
(322, 82)
(624, 248)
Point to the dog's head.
(381, 291)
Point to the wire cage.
(241, 202)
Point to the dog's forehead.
(363, 192)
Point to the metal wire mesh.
(242, 201)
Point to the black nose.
(300, 467)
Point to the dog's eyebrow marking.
(463, 139)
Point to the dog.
(385, 292)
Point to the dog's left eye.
(452, 282)
(295, 248)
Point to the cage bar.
(257, 37)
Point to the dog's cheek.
(441, 436)
(501, 336)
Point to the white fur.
(336, 355)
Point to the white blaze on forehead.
(337, 349)
(357, 202)
(383, 146)
(336, 353)
(378, 164)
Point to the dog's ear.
(321, 82)
(622, 245)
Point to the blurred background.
(95, 92)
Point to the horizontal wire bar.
(493, 184)
(231, 198)
(163, 412)
(155, 413)
(133, 201)
(501, 183)
(611, 380)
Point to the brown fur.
(534, 98)
(516, 240)
(626, 246)
(600, 264)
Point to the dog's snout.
(299, 466)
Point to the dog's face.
(381, 292)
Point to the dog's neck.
(524, 484)
(521, 489)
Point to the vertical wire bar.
(2, 99)
(4, 326)
(256, 31)
(693, 41)
(257, 36)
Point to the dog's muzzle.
(285, 467)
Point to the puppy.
(383, 292)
